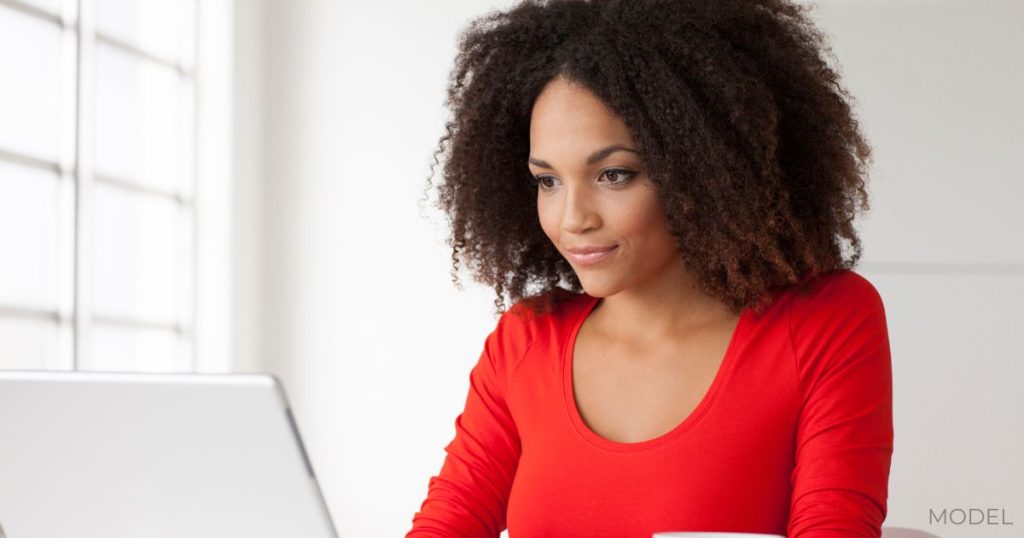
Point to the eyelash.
(537, 180)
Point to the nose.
(579, 212)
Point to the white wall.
(342, 288)
(214, 200)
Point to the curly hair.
(748, 135)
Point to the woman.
(665, 189)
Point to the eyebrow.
(594, 157)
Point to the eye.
(620, 177)
(539, 181)
(623, 175)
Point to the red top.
(794, 435)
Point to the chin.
(595, 288)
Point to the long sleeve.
(469, 497)
(844, 438)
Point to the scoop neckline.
(724, 371)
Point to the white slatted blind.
(97, 184)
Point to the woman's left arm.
(844, 438)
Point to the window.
(98, 237)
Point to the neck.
(667, 307)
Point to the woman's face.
(593, 192)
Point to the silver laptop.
(155, 455)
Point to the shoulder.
(551, 304)
(837, 293)
(523, 325)
(533, 317)
(837, 316)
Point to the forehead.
(566, 114)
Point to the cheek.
(548, 221)
(641, 217)
(646, 224)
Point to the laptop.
(113, 455)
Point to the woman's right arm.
(469, 497)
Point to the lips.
(590, 255)
(590, 249)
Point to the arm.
(469, 497)
(844, 437)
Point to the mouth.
(590, 256)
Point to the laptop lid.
(156, 455)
